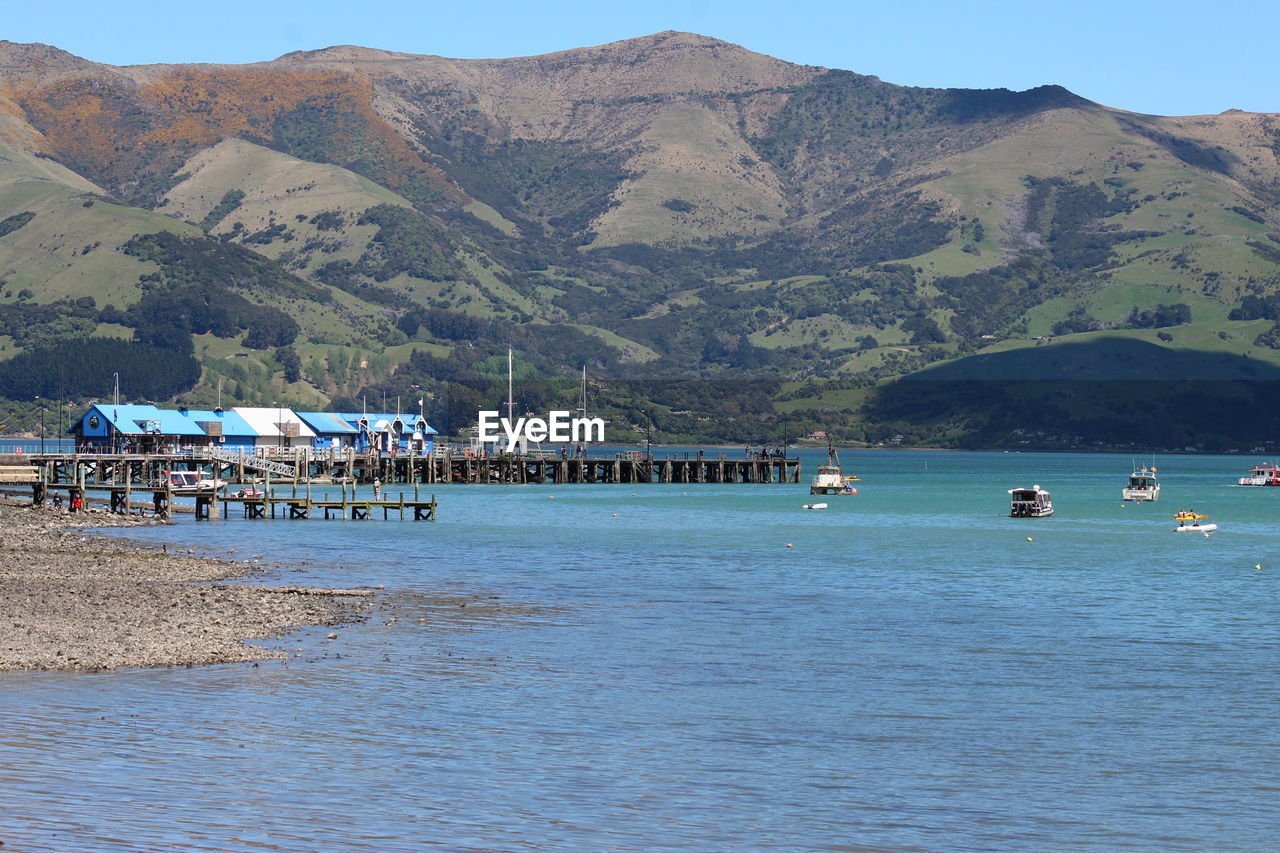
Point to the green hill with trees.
(737, 248)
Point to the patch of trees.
(565, 184)
(877, 229)
(924, 330)
(839, 108)
(968, 105)
(1159, 317)
(1262, 250)
(267, 235)
(1068, 215)
(1270, 338)
(31, 324)
(1248, 214)
(345, 275)
(270, 327)
(230, 201)
(443, 325)
(167, 318)
(328, 220)
(406, 242)
(288, 358)
(988, 301)
(12, 223)
(1077, 321)
(84, 368)
(200, 260)
(1254, 307)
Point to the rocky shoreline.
(73, 601)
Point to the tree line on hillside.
(85, 367)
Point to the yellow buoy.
(1029, 539)
(1258, 566)
(789, 545)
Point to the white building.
(277, 426)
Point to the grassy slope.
(72, 246)
(695, 154)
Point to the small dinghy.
(1189, 521)
(815, 506)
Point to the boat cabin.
(1030, 503)
(830, 479)
(1262, 475)
(1142, 486)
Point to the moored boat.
(1030, 503)
(188, 483)
(1262, 475)
(831, 479)
(1143, 485)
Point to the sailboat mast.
(510, 400)
(584, 391)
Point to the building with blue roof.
(391, 433)
(332, 431)
(146, 428)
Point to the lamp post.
(115, 417)
(41, 402)
(648, 425)
(279, 422)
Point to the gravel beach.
(73, 601)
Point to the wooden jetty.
(129, 482)
(296, 506)
(256, 504)
(299, 466)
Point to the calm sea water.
(911, 674)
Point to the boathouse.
(332, 431)
(145, 428)
(391, 433)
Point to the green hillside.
(674, 212)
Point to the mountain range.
(727, 241)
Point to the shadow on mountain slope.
(1107, 393)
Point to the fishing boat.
(1143, 485)
(1030, 503)
(188, 483)
(1189, 521)
(1262, 475)
(831, 479)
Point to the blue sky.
(1170, 58)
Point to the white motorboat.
(1261, 475)
(189, 483)
(1030, 503)
(831, 479)
(1143, 485)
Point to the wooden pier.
(257, 504)
(119, 480)
(297, 507)
(300, 466)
